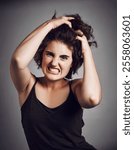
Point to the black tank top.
(57, 128)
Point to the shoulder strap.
(28, 99)
(70, 86)
(36, 79)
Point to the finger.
(79, 32)
(70, 18)
(79, 38)
(67, 18)
(68, 23)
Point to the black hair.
(68, 35)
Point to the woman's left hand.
(88, 90)
(84, 41)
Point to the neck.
(54, 84)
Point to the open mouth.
(54, 71)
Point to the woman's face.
(57, 60)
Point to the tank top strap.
(36, 79)
(33, 88)
(70, 86)
(71, 90)
(72, 94)
(28, 99)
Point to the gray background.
(17, 19)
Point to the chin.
(53, 77)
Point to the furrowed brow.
(65, 56)
(49, 52)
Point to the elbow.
(91, 102)
(95, 100)
(16, 62)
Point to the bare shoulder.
(75, 86)
(23, 95)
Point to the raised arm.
(25, 52)
(88, 89)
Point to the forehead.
(59, 47)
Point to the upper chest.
(51, 97)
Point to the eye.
(49, 54)
(64, 57)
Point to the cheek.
(68, 65)
(45, 61)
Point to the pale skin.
(57, 60)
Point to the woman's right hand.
(54, 23)
(26, 50)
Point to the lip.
(52, 70)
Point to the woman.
(52, 105)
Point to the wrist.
(47, 27)
(86, 52)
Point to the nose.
(54, 62)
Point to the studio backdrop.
(17, 20)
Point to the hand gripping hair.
(68, 36)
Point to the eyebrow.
(65, 56)
(47, 51)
